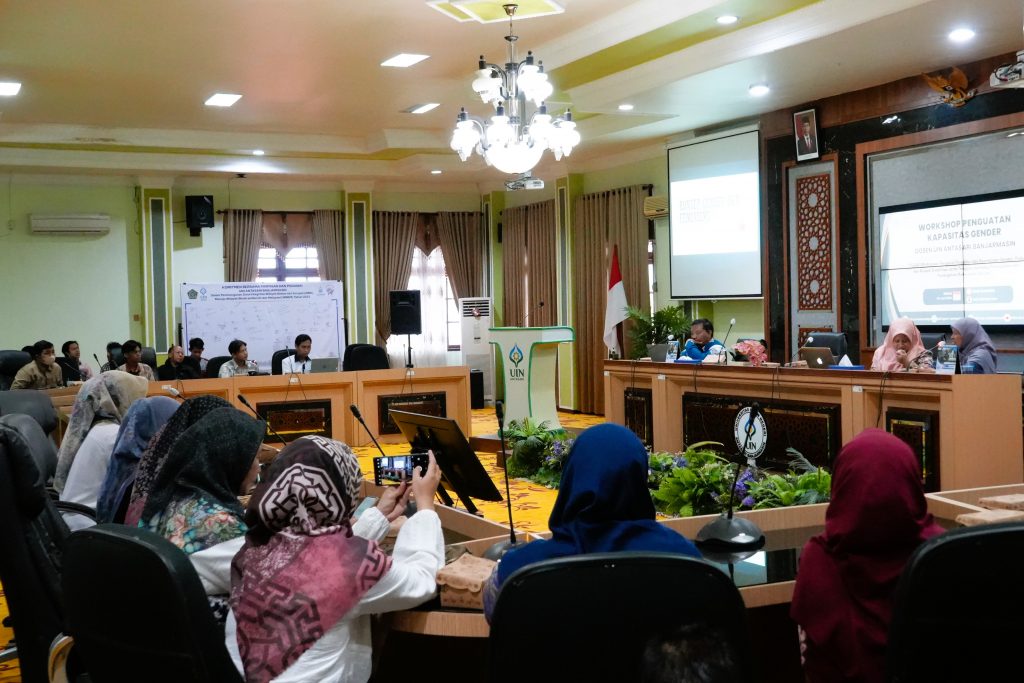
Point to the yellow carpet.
(9, 671)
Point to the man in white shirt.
(239, 363)
(300, 361)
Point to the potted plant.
(649, 334)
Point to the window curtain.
(528, 262)
(461, 238)
(243, 232)
(394, 238)
(431, 346)
(285, 231)
(329, 242)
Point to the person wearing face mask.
(43, 372)
(175, 367)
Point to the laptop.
(323, 364)
(819, 357)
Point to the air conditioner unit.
(477, 352)
(1009, 75)
(656, 206)
(70, 224)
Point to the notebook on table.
(819, 357)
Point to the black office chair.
(149, 357)
(69, 369)
(835, 341)
(959, 594)
(137, 611)
(213, 365)
(35, 404)
(11, 360)
(278, 358)
(599, 610)
(930, 340)
(365, 357)
(118, 358)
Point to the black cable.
(881, 395)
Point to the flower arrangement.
(753, 350)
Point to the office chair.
(958, 595)
(11, 360)
(137, 611)
(365, 357)
(149, 357)
(835, 341)
(35, 404)
(278, 359)
(69, 369)
(118, 358)
(931, 339)
(213, 365)
(598, 611)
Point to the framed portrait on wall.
(805, 132)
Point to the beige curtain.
(460, 234)
(628, 228)
(329, 242)
(243, 231)
(394, 239)
(284, 231)
(541, 253)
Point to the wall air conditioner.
(656, 206)
(70, 224)
(477, 352)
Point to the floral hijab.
(103, 398)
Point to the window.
(442, 331)
(454, 319)
(298, 265)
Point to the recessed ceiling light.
(727, 19)
(961, 35)
(404, 60)
(422, 108)
(759, 90)
(9, 88)
(222, 99)
(436, 171)
(625, 107)
(258, 152)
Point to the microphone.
(359, 416)
(807, 342)
(173, 392)
(732, 321)
(927, 352)
(245, 402)
(500, 548)
(540, 304)
(98, 363)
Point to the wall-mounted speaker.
(405, 311)
(198, 213)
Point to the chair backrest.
(277, 359)
(69, 369)
(118, 357)
(149, 356)
(931, 339)
(137, 610)
(213, 365)
(33, 403)
(365, 357)
(956, 595)
(836, 341)
(32, 536)
(11, 360)
(599, 610)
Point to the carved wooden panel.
(426, 404)
(290, 420)
(639, 414)
(814, 242)
(805, 332)
(919, 430)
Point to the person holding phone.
(307, 579)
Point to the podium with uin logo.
(529, 373)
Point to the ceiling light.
(222, 100)
(759, 90)
(404, 60)
(961, 35)
(513, 140)
(9, 88)
(436, 171)
(727, 19)
(625, 107)
(890, 119)
(422, 108)
(258, 152)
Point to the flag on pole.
(615, 311)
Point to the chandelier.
(511, 141)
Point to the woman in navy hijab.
(603, 505)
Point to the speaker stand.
(408, 351)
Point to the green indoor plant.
(647, 330)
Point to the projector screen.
(715, 218)
(944, 260)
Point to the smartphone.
(393, 469)
(367, 503)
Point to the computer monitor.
(461, 470)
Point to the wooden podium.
(529, 374)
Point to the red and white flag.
(615, 311)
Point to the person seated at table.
(902, 350)
(133, 364)
(603, 505)
(328, 574)
(196, 346)
(701, 343)
(239, 363)
(175, 367)
(73, 361)
(111, 364)
(847, 578)
(299, 362)
(976, 352)
(42, 372)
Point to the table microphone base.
(496, 551)
(733, 534)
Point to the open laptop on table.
(819, 357)
(323, 364)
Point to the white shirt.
(88, 470)
(289, 366)
(343, 654)
(231, 369)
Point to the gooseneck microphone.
(98, 363)
(359, 416)
(927, 352)
(501, 547)
(245, 402)
(725, 348)
(540, 305)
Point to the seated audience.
(976, 353)
(42, 372)
(143, 420)
(701, 343)
(692, 653)
(847, 578)
(603, 505)
(328, 575)
(902, 350)
(195, 355)
(239, 363)
(189, 412)
(133, 364)
(175, 367)
(299, 362)
(73, 361)
(111, 363)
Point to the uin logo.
(516, 356)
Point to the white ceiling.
(117, 86)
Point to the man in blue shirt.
(701, 342)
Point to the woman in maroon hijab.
(847, 579)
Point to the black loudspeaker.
(198, 212)
(405, 312)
